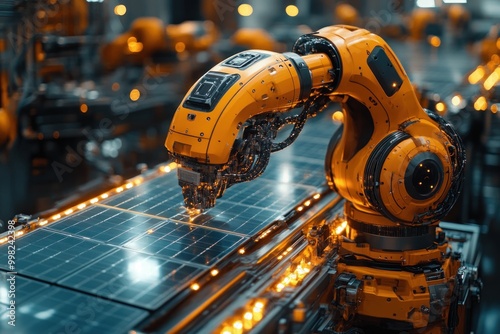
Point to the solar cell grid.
(305, 174)
(196, 245)
(106, 225)
(263, 194)
(25, 289)
(248, 220)
(161, 196)
(132, 277)
(50, 256)
(58, 310)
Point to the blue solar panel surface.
(106, 267)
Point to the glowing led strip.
(127, 185)
(246, 319)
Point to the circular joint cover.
(424, 175)
(407, 177)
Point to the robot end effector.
(410, 162)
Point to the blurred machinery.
(347, 14)
(255, 39)
(80, 109)
(149, 37)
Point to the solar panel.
(137, 249)
(133, 277)
(300, 173)
(50, 256)
(262, 194)
(24, 289)
(194, 245)
(58, 310)
(106, 225)
(248, 221)
(160, 196)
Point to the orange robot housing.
(398, 166)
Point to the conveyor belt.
(107, 266)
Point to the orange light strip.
(293, 277)
(127, 185)
(245, 319)
(300, 208)
(288, 250)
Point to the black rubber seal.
(373, 170)
(303, 72)
(424, 176)
(310, 44)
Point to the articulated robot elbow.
(223, 130)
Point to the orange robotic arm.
(393, 160)
(398, 166)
